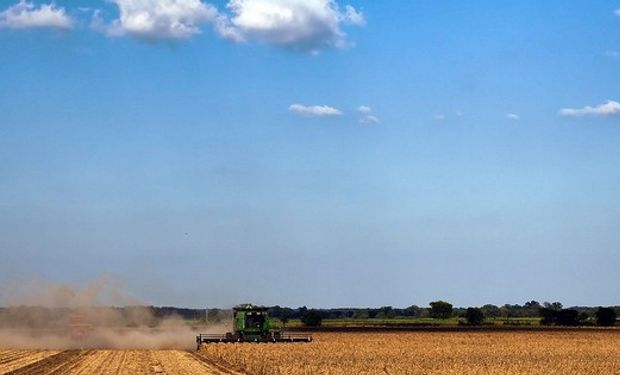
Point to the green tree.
(440, 310)
(561, 317)
(605, 316)
(386, 312)
(474, 316)
(548, 316)
(567, 317)
(413, 310)
(312, 318)
(491, 311)
(556, 306)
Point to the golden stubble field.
(558, 352)
(535, 352)
(104, 362)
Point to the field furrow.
(175, 362)
(128, 362)
(114, 362)
(97, 362)
(58, 363)
(7, 356)
(218, 365)
(13, 359)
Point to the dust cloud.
(100, 316)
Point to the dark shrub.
(474, 316)
(312, 318)
(605, 316)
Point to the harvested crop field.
(536, 352)
(88, 362)
(560, 352)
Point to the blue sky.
(213, 155)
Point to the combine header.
(251, 324)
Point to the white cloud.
(615, 54)
(306, 25)
(617, 12)
(298, 24)
(354, 17)
(367, 116)
(512, 116)
(440, 117)
(369, 119)
(609, 108)
(25, 15)
(160, 19)
(315, 110)
(364, 109)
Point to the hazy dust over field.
(46, 316)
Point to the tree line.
(550, 313)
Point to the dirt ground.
(88, 362)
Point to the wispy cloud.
(366, 115)
(354, 17)
(25, 15)
(440, 117)
(617, 12)
(512, 116)
(614, 54)
(609, 108)
(314, 110)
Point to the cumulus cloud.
(25, 15)
(366, 115)
(305, 25)
(160, 19)
(609, 108)
(512, 116)
(298, 24)
(315, 110)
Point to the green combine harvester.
(251, 324)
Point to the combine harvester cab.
(251, 324)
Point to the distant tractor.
(251, 324)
